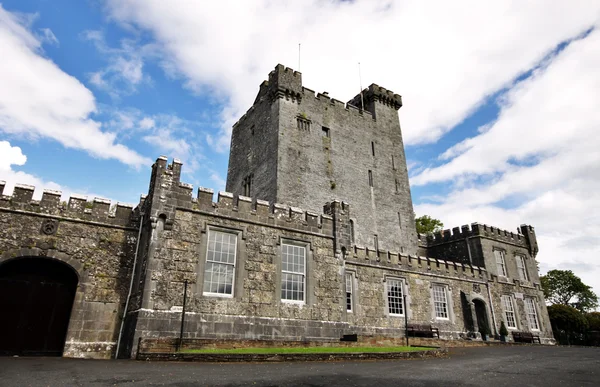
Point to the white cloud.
(47, 36)
(37, 99)
(124, 73)
(543, 153)
(443, 57)
(12, 155)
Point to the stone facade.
(251, 269)
(304, 149)
(96, 243)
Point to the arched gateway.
(36, 298)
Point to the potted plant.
(503, 332)
(484, 331)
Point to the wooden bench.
(422, 330)
(525, 337)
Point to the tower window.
(396, 185)
(326, 132)
(303, 123)
(376, 242)
(370, 178)
(247, 185)
(393, 163)
(252, 130)
(373, 148)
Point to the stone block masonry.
(95, 240)
(315, 239)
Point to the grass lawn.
(305, 350)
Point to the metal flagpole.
(362, 102)
(299, 56)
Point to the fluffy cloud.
(12, 155)
(443, 57)
(543, 153)
(37, 99)
(124, 73)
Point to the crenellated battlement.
(175, 194)
(77, 206)
(474, 230)
(336, 104)
(395, 260)
(376, 93)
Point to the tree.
(564, 287)
(427, 224)
(568, 324)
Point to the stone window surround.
(239, 272)
(405, 291)
(309, 282)
(515, 311)
(536, 311)
(521, 258)
(503, 254)
(449, 304)
(235, 263)
(353, 292)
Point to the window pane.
(521, 268)
(293, 260)
(509, 311)
(500, 262)
(349, 292)
(440, 301)
(531, 311)
(395, 299)
(220, 262)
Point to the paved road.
(489, 366)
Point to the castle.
(314, 240)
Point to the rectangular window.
(393, 163)
(349, 289)
(521, 268)
(395, 297)
(252, 130)
(396, 185)
(220, 263)
(509, 311)
(247, 185)
(326, 132)
(370, 178)
(293, 273)
(303, 123)
(500, 266)
(532, 317)
(373, 148)
(376, 242)
(440, 301)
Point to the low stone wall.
(209, 357)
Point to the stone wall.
(327, 156)
(97, 242)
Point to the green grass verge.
(305, 350)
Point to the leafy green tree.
(593, 319)
(564, 287)
(568, 324)
(427, 224)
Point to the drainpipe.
(491, 307)
(137, 246)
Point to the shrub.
(503, 331)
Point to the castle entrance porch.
(36, 298)
(481, 315)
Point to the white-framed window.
(509, 311)
(440, 302)
(500, 263)
(293, 273)
(219, 271)
(349, 292)
(521, 269)
(395, 296)
(531, 312)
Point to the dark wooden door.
(36, 297)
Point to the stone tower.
(302, 149)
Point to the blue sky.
(500, 115)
